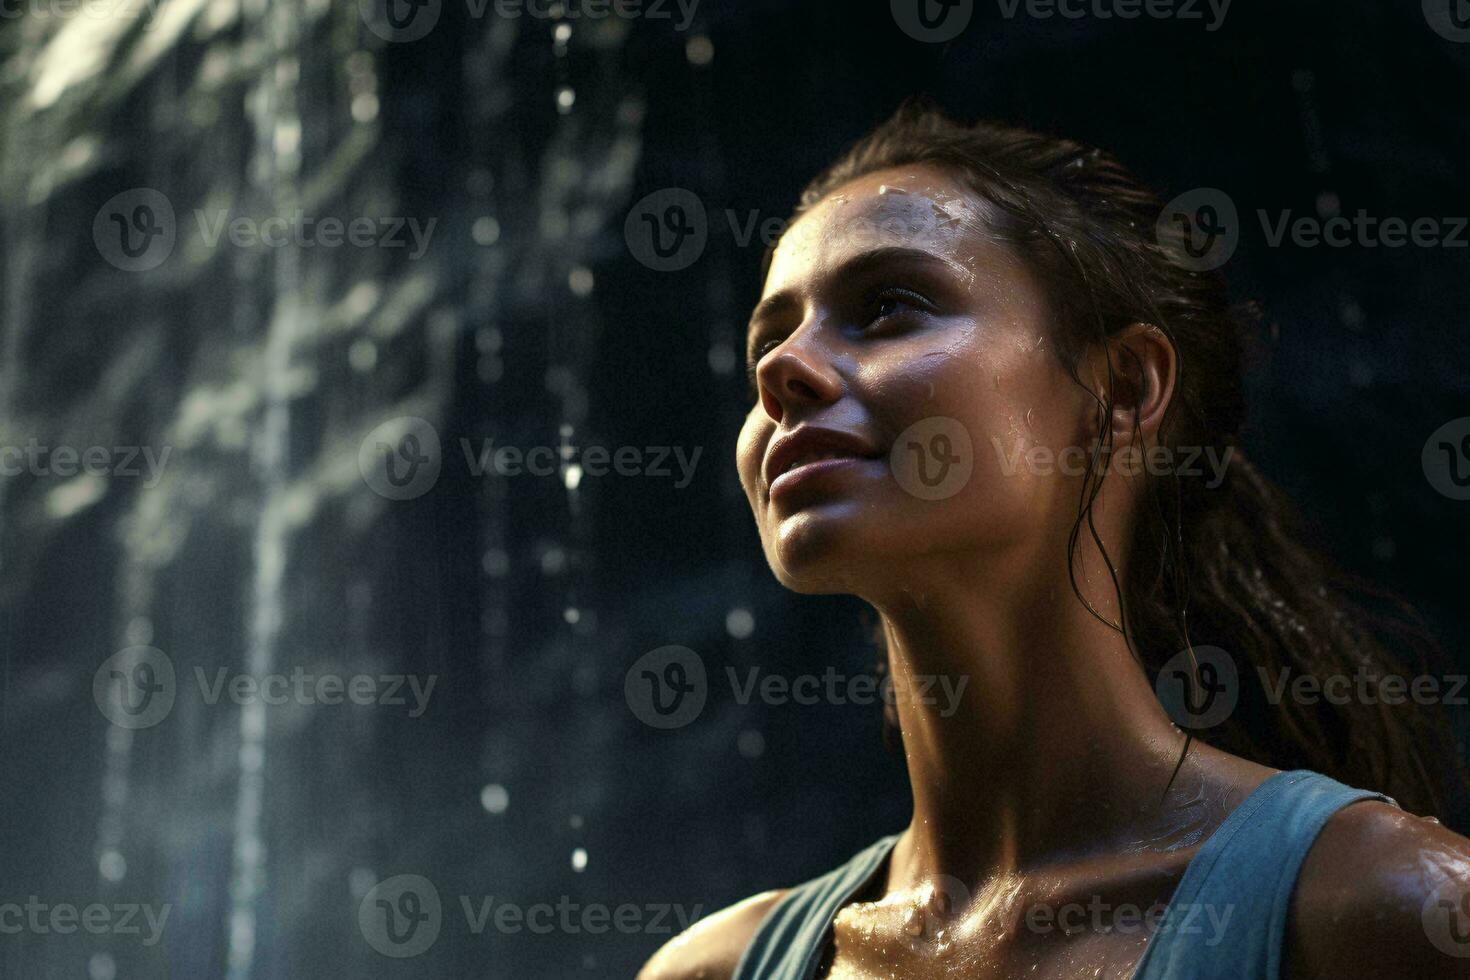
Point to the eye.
(892, 301)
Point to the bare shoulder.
(710, 949)
(1382, 893)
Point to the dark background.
(263, 549)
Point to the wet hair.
(1225, 565)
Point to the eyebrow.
(778, 302)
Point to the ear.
(1144, 370)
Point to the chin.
(824, 580)
(820, 554)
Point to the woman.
(978, 371)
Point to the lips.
(811, 445)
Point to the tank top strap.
(789, 942)
(1227, 918)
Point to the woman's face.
(904, 371)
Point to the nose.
(795, 376)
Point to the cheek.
(750, 450)
(972, 394)
(1007, 414)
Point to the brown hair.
(1223, 565)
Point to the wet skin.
(890, 303)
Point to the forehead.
(919, 206)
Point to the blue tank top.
(1248, 866)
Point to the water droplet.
(699, 50)
(112, 866)
(739, 623)
(485, 230)
(494, 798)
(101, 967)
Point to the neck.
(1031, 735)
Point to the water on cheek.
(1025, 372)
(919, 385)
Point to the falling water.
(273, 171)
(264, 370)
